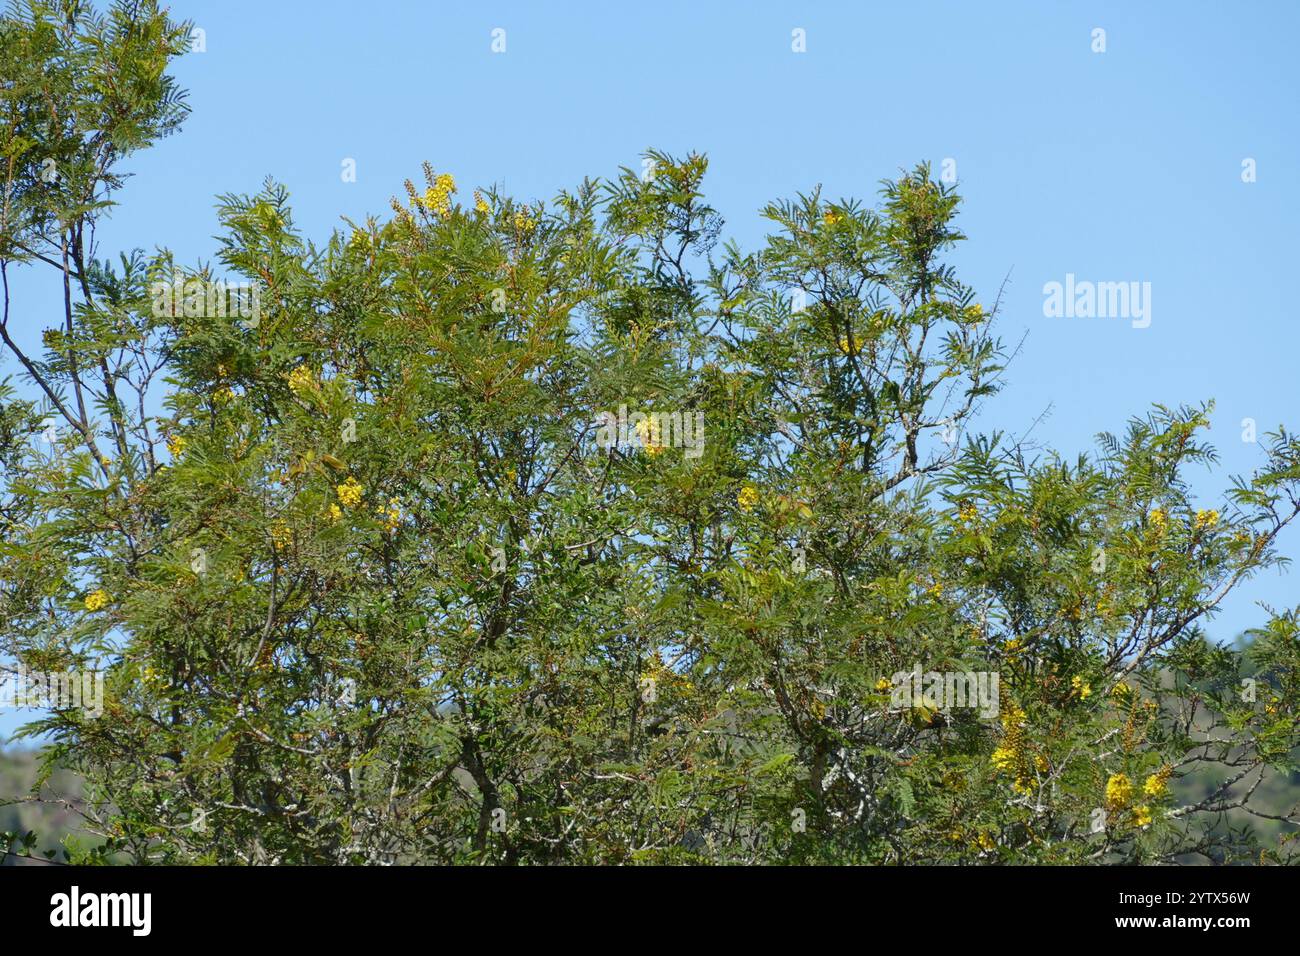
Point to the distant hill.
(51, 822)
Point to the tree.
(493, 531)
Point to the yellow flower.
(1142, 816)
(281, 535)
(1081, 687)
(523, 221)
(350, 493)
(334, 514)
(848, 345)
(1004, 759)
(1013, 718)
(1157, 785)
(984, 841)
(359, 241)
(973, 313)
(832, 217)
(1206, 519)
(392, 514)
(480, 204)
(437, 198)
(176, 445)
(747, 499)
(223, 395)
(646, 432)
(301, 379)
(1041, 764)
(97, 599)
(1159, 520)
(967, 512)
(1014, 646)
(883, 684)
(1119, 790)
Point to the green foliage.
(368, 586)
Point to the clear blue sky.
(1123, 165)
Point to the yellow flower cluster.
(1157, 785)
(1141, 816)
(359, 241)
(747, 499)
(658, 675)
(97, 600)
(1119, 791)
(1159, 520)
(1081, 687)
(392, 514)
(832, 217)
(1012, 756)
(973, 313)
(301, 379)
(1206, 519)
(967, 512)
(480, 204)
(437, 198)
(176, 445)
(647, 433)
(350, 493)
(1004, 759)
(281, 535)
(523, 221)
(333, 514)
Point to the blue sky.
(1117, 166)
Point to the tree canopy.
(566, 532)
